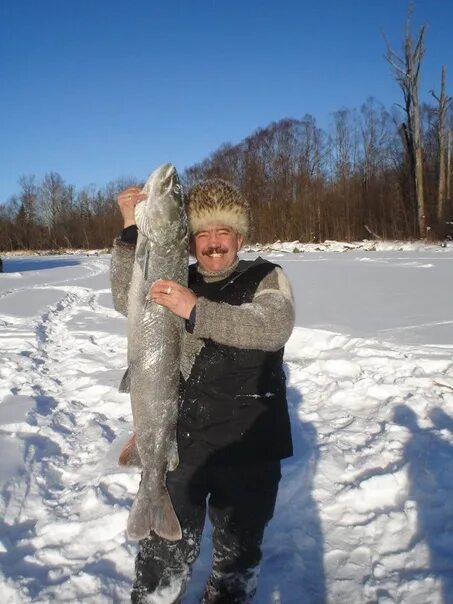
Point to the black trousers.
(240, 502)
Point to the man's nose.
(213, 238)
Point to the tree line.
(352, 183)
(375, 173)
(50, 215)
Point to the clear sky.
(101, 89)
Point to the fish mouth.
(170, 171)
(169, 178)
(163, 205)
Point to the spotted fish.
(154, 350)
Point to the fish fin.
(129, 455)
(173, 458)
(125, 385)
(158, 516)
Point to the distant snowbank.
(59, 252)
(289, 247)
(343, 246)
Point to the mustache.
(215, 249)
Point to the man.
(233, 425)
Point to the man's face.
(216, 247)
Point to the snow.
(365, 508)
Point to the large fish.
(154, 349)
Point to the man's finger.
(164, 286)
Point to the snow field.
(365, 508)
(64, 515)
(361, 398)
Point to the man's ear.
(241, 240)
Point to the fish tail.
(153, 514)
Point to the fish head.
(161, 217)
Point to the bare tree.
(52, 198)
(407, 74)
(449, 143)
(27, 216)
(443, 103)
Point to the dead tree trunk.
(407, 74)
(449, 143)
(442, 196)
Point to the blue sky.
(101, 89)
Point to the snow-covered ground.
(365, 509)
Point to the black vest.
(233, 405)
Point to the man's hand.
(180, 300)
(127, 200)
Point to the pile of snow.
(61, 252)
(364, 512)
(297, 247)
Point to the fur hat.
(216, 201)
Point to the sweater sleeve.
(123, 255)
(265, 323)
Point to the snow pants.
(240, 502)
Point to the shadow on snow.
(293, 568)
(429, 458)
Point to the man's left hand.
(177, 298)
